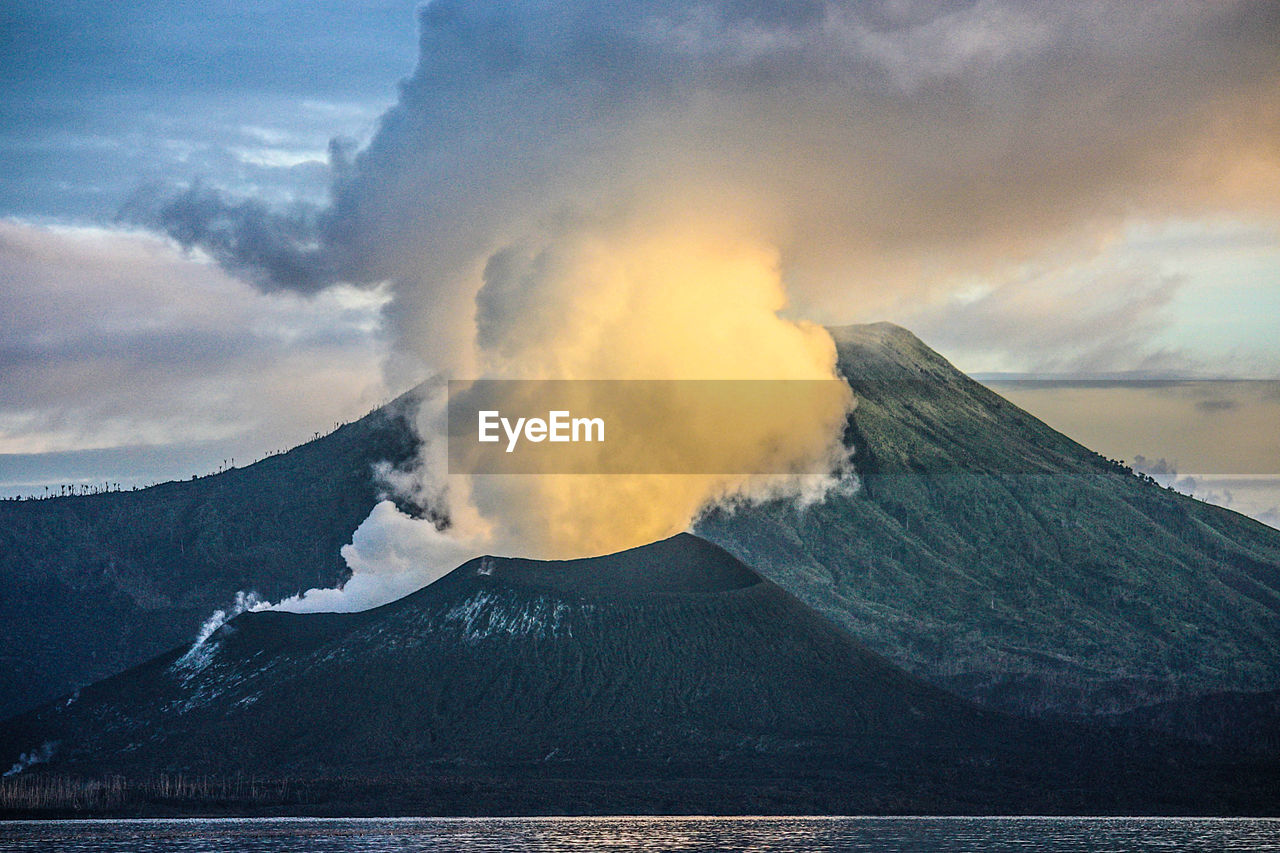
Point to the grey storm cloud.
(275, 249)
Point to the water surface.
(480, 835)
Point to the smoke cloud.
(198, 656)
(390, 556)
(41, 755)
(881, 148)
(570, 190)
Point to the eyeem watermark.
(645, 426)
(559, 426)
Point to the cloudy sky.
(225, 226)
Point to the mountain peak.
(683, 564)
(884, 351)
(881, 330)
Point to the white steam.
(390, 555)
(40, 755)
(201, 651)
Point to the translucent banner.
(646, 426)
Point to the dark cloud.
(276, 249)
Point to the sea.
(480, 835)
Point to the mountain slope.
(94, 584)
(993, 556)
(673, 661)
(502, 660)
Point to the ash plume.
(658, 190)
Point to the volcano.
(672, 649)
(984, 552)
(669, 664)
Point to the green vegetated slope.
(993, 556)
(672, 661)
(94, 584)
